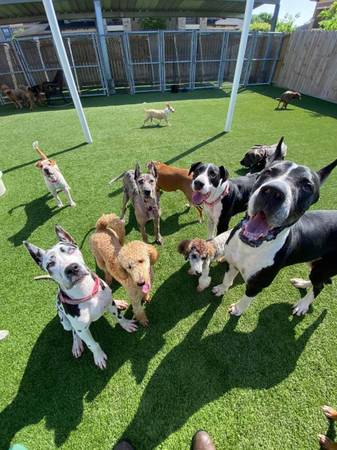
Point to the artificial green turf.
(253, 383)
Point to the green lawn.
(253, 383)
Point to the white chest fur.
(213, 212)
(250, 260)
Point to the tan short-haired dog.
(129, 264)
(19, 96)
(159, 114)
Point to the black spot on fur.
(72, 310)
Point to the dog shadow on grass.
(55, 385)
(202, 369)
(37, 213)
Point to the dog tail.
(39, 151)
(112, 224)
(117, 178)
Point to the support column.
(62, 55)
(239, 63)
(102, 43)
(275, 17)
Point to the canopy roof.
(20, 11)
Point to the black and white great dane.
(220, 196)
(278, 232)
(82, 297)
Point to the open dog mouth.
(255, 230)
(198, 197)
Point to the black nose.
(146, 193)
(72, 269)
(141, 284)
(197, 272)
(198, 185)
(272, 193)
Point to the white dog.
(159, 114)
(53, 177)
(82, 297)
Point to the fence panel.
(11, 70)
(308, 64)
(178, 46)
(118, 61)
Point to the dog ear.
(193, 167)
(52, 162)
(137, 171)
(153, 253)
(35, 252)
(325, 171)
(63, 235)
(224, 174)
(152, 169)
(38, 164)
(278, 152)
(184, 247)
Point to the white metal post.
(239, 63)
(103, 46)
(61, 51)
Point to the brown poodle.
(129, 264)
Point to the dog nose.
(72, 269)
(141, 283)
(197, 272)
(147, 193)
(272, 193)
(198, 185)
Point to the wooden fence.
(308, 64)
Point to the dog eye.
(306, 186)
(203, 258)
(71, 250)
(141, 261)
(141, 181)
(212, 174)
(129, 267)
(50, 264)
(152, 181)
(194, 256)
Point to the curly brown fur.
(202, 247)
(129, 264)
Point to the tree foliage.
(153, 23)
(329, 18)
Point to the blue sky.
(304, 7)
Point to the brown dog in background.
(129, 264)
(286, 98)
(19, 96)
(172, 178)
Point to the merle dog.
(82, 297)
(278, 232)
(221, 197)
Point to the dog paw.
(301, 307)
(129, 325)
(72, 204)
(78, 348)
(204, 284)
(121, 304)
(100, 359)
(326, 443)
(201, 288)
(144, 321)
(60, 205)
(299, 283)
(159, 240)
(234, 310)
(329, 412)
(219, 290)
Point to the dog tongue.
(197, 198)
(145, 288)
(257, 225)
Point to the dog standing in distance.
(141, 190)
(286, 98)
(82, 297)
(53, 177)
(278, 232)
(159, 114)
(19, 96)
(172, 178)
(129, 264)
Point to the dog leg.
(302, 306)
(143, 231)
(138, 310)
(129, 325)
(68, 195)
(329, 413)
(327, 443)
(78, 347)
(125, 202)
(159, 238)
(236, 309)
(211, 228)
(227, 282)
(299, 283)
(204, 280)
(57, 199)
(99, 356)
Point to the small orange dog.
(172, 178)
(129, 264)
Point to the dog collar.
(64, 298)
(223, 194)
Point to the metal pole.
(103, 46)
(275, 17)
(62, 54)
(239, 63)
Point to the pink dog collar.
(64, 298)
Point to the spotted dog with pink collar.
(82, 297)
